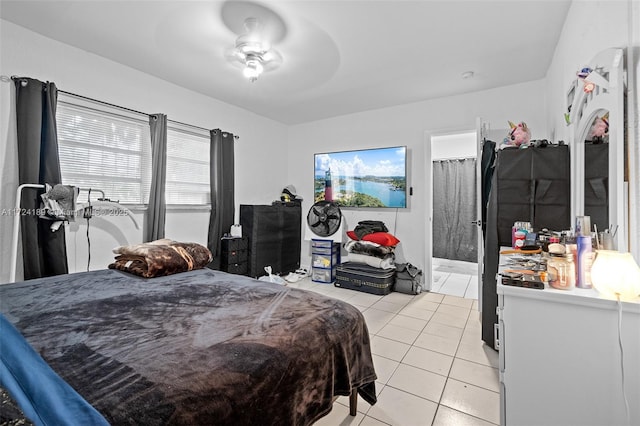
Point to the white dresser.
(560, 361)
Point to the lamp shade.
(615, 274)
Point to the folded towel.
(385, 263)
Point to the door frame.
(482, 129)
(428, 176)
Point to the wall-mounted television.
(373, 178)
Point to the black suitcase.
(365, 278)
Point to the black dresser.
(274, 234)
(235, 255)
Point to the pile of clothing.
(371, 243)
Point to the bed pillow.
(382, 238)
(161, 257)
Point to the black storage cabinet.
(274, 233)
(531, 185)
(234, 255)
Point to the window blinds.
(187, 181)
(109, 148)
(105, 148)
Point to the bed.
(198, 347)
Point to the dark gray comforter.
(200, 348)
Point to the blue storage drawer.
(325, 258)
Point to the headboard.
(605, 73)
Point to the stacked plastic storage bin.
(325, 257)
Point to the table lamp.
(616, 275)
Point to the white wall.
(457, 145)
(260, 169)
(590, 27)
(406, 125)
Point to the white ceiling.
(340, 56)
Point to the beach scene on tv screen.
(363, 178)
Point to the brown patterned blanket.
(161, 257)
(200, 347)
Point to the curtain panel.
(454, 208)
(222, 191)
(155, 216)
(44, 251)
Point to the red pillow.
(382, 238)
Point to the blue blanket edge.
(44, 397)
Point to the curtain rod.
(102, 102)
(454, 159)
(13, 77)
(135, 111)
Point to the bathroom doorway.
(454, 214)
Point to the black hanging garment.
(487, 166)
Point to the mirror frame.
(608, 95)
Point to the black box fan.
(324, 218)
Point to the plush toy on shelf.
(518, 136)
(599, 129)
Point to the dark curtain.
(222, 191)
(44, 251)
(454, 210)
(487, 166)
(156, 210)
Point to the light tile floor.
(433, 368)
(455, 278)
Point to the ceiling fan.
(253, 51)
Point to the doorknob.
(477, 222)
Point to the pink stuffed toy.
(519, 136)
(599, 128)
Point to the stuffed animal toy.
(519, 135)
(588, 86)
(599, 129)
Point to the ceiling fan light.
(252, 70)
(253, 52)
(252, 46)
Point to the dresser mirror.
(596, 119)
(596, 146)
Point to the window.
(108, 148)
(105, 148)
(187, 181)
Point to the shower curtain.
(454, 209)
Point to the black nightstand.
(235, 255)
